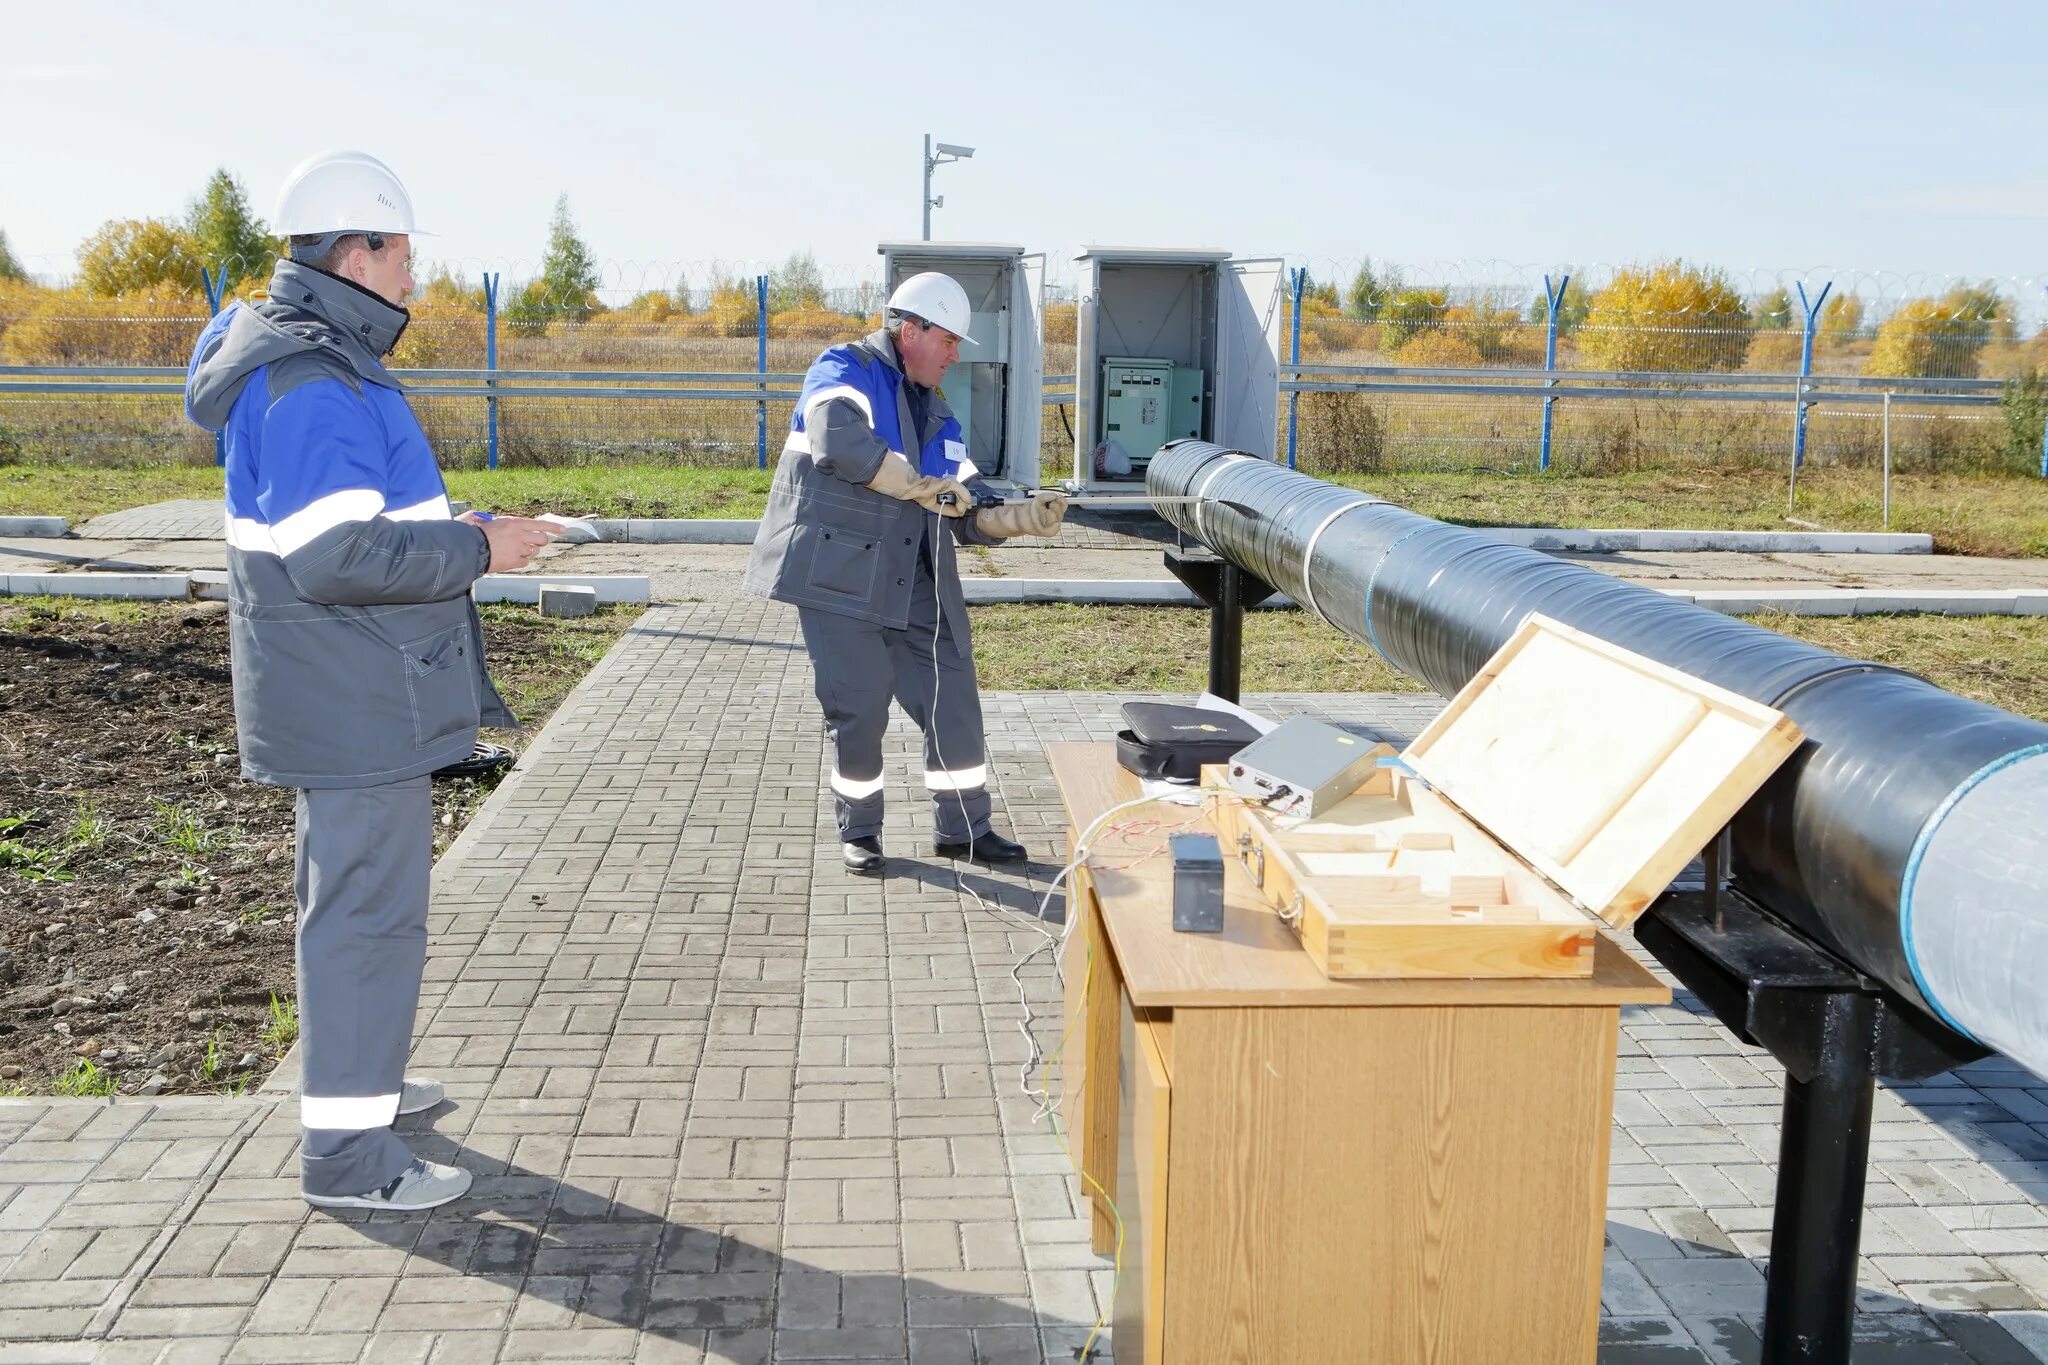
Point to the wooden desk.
(1404, 1172)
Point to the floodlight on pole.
(934, 157)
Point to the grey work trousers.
(365, 859)
(857, 666)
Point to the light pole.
(945, 152)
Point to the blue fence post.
(1553, 299)
(761, 368)
(1812, 311)
(215, 283)
(491, 367)
(1294, 359)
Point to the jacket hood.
(884, 346)
(308, 311)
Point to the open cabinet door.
(1026, 416)
(1247, 381)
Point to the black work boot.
(863, 854)
(989, 847)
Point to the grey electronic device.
(1303, 767)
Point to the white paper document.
(1209, 701)
(571, 526)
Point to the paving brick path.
(726, 1103)
(179, 519)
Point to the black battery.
(1197, 883)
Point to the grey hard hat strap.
(316, 249)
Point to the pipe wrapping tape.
(1308, 554)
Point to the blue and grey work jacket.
(357, 653)
(828, 540)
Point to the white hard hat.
(343, 192)
(939, 300)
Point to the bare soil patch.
(146, 909)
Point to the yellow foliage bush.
(734, 311)
(128, 256)
(1494, 332)
(156, 326)
(1775, 352)
(1940, 338)
(1841, 318)
(1408, 314)
(441, 336)
(1440, 350)
(823, 325)
(1668, 316)
(1059, 323)
(655, 305)
(17, 299)
(1325, 331)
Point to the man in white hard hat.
(358, 657)
(874, 467)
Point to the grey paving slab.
(177, 519)
(724, 1102)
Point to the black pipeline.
(1906, 835)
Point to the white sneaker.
(415, 1097)
(421, 1185)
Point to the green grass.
(30, 862)
(84, 1081)
(568, 650)
(214, 1063)
(2002, 660)
(1057, 648)
(89, 829)
(616, 491)
(78, 492)
(1998, 659)
(1982, 514)
(185, 831)
(283, 1029)
(71, 611)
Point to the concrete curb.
(684, 531)
(1875, 601)
(56, 527)
(211, 585)
(134, 587)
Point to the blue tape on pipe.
(1919, 853)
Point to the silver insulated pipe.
(1906, 835)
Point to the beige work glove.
(1038, 517)
(898, 480)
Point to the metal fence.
(1462, 382)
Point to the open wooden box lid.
(1606, 771)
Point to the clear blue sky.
(1874, 136)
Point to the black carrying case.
(1162, 740)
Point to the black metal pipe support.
(1227, 590)
(1817, 1225)
(1836, 1030)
